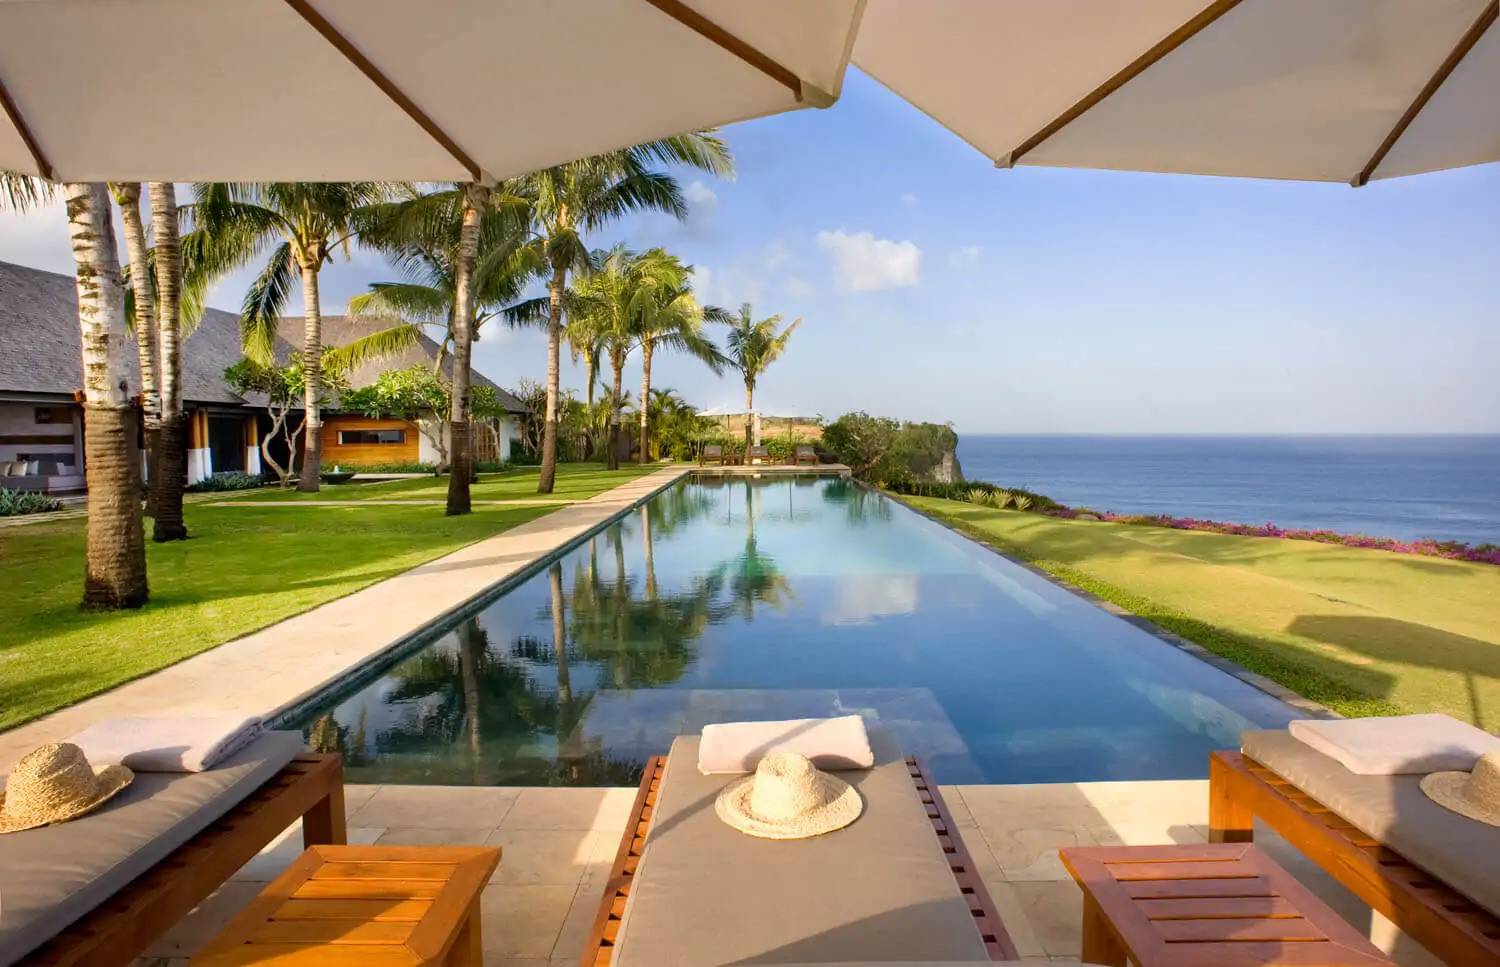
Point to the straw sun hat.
(1473, 794)
(788, 798)
(54, 784)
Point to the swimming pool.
(729, 598)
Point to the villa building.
(41, 379)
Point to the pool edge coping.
(1257, 681)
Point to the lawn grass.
(241, 571)
(574, 482)
(1364, 632)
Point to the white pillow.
(831, 744)
(1397, 745)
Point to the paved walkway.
(276, 667)
(559, 843)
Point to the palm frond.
(24, 192)
(264, 303)
(378, 345)
(400, 300)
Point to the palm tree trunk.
(749, 407)
(476, 199)
(645, 402)
(128, 196)
(312, 379)
(115, 575)
(171, 476)
(617, 364)
(649, 550)
(548, 473)
(590, 437)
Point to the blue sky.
(934, 287)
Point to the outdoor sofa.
(895, 886)
(1433, 873)
(99, 890)
(47, 476)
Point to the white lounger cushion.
(832, 744)
(1398, 745)
(880, 890)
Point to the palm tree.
(604, 316)
(171, 480)
(312, 221)
(583, 196)
(464, 262)
(670, 318)
(142, 312)
(115, 575)
(115, 568)
(752, 347)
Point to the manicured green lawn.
(1364, 632)
(574, 482)
(241, 571)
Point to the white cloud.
(800, 287)
(778, 256)
(963, 257)
(865, 263)
(698, 193)
(908, 200)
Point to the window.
(376, 437)
(53, 414)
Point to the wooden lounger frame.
(309, 788)
(599, 951)
(1241, 790)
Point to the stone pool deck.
(558, 845)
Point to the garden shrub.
(390, 466)
(14, 503)
(227, 481)
(879, 448)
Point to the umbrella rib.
(387, 87)
(712, 32)
(1136, 67)
(1461, 50)
(43, 166)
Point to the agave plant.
(1022, 502)
(1001, 499)
(979, 496)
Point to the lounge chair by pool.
(752, 454)
(99, 890)
(712, 453)
(1432, 872)
(806, 454)
(896, 885)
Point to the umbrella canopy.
(342, 90)
(1317, 90)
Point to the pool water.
(733, 598)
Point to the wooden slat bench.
(1227, 905)
(309, 788)
(374, 906)
(598, 952)
(1241, 790)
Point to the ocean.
(1406, 487)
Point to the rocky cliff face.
(948, 471)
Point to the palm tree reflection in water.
(473, 713)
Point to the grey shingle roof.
(39, 351)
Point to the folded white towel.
(1397, 745)
(839, 743)
(167, 744)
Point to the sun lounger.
(99, 890)
(1432, 872)
(712, 453)
(752, 454)
(806, 454)
(896, 885)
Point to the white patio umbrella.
(1318, 90)
(307, 90)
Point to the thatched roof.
(39, 344)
